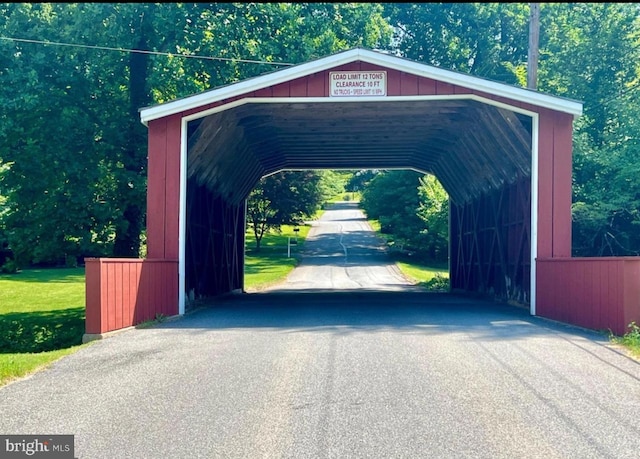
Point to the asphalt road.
(347, 373)
(342, 252)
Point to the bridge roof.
(474, 83)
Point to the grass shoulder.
(432, 276)
(14, 366)
(42, 318)
(630, 340)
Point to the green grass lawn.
(42, 311)
(630, 340)
(42, 318)
(271, 265)
(433, 276)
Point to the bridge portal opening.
(481, 152)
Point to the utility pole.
(534, 38)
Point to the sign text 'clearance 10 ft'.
(358, 83)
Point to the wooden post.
(534, 38)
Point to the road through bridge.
(342, 252)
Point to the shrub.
(9, 267)
(438, 283)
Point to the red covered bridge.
(503, 153)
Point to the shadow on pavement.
(347, 311)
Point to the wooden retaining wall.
(122, 292)
(597, 293)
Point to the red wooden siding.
(282, 90)
(172, 190)
(156, 170)
(299, 88)
(317, 85)
(426, 87)
(596, 293)
(163, 188)
(554, 184)
(461, 90)
(443, 88)
(121, 292)
(408, 84)
(545, 189)
(393, 82)
(562, 174)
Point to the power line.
(141, 51)
(627, 91)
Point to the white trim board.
(535, 133)
(340, 100)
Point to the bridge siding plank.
(122, 292)
(426, 86)
(156, 169)
(408, 84)
(562, 170)
(545, 185)
(172, 189)
(600, 293)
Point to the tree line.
(73, 77)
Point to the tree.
(411, 207)
(434, 212)
(290, 33)
(360, 179)
(76, 113)
(283, 198)
(74, 151)
(260, 214)
(75, 109)
(588, 52)
(54, 183)
(391, 197)
(483, 39)
(333, 182)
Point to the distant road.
(341, 252)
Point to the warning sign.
(358, 83)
